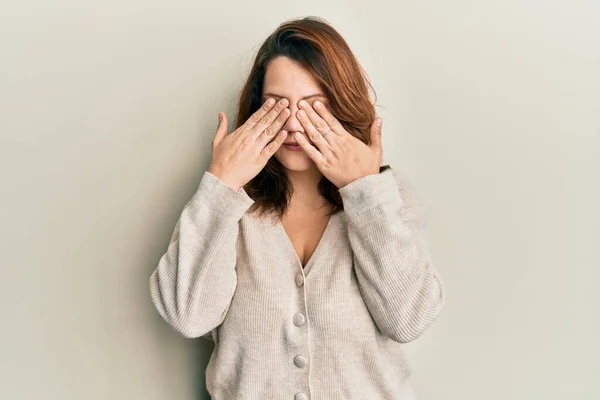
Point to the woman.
(305, 261)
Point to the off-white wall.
(107, 111)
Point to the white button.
(299, 280)
(300, 361)
(300, 396)
(299, 319)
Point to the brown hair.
(322, 51)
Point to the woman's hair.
(323, 52)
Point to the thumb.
(221, 129)
(376, 134)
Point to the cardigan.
(333, 329)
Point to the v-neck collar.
(316, 253)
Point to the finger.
(376, 134)
(273, 146)
(313, 134)
(222, 128)
(310, 150)
(267, 135)
(329, 119)
(315, 118)
(261, 112)
(268, 119)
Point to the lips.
(292, 146)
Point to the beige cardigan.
(333, 330)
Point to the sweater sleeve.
(387, 233)
(194, 282)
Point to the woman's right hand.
(241, 155)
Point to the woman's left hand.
(340, 157)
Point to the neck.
(306, 196)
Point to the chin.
(294, 160)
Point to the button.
(300, 361)
(299, 319)
(299, 280)
(300, 396)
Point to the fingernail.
(297, 135)
(302, 103)
(317, 104)
(270, 101)
(379, 121)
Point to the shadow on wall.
(205, 350)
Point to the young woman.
(302, 257)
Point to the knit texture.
(331, 330)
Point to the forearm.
(195, 279)
(393, 266)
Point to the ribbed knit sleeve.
(387, 233)
(194, 282)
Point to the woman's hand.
(241, 155)
(340, 157)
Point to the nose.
(292, 125)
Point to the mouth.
(293, 146)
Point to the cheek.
(279, 155)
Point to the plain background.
(107, 112)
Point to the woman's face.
(284, 78)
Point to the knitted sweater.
(331, 330)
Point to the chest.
(311, 271)
(304, 234)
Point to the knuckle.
(265, 121)
(254, 118)
(321, 124)
(246, 141)
(269, 131)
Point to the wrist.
(224, 179)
